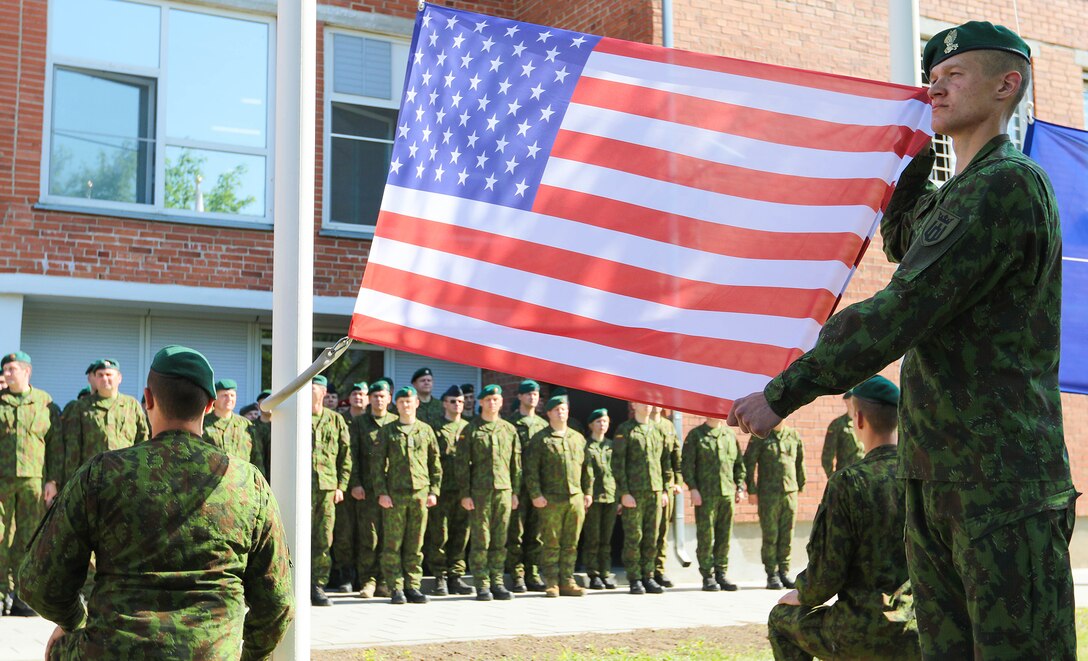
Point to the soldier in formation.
(601, 514)
(331, 473)
(841, 444)
(345, 534)
(523, 543)
(368, 523)
(222, 428)
(672, 488)
(447, 522)
(775, 474)
(430, 407)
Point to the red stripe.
(513, 313)
(765, 125)
(585, 270)
(674, 168)
(394, 336)
(800, 77)
(693, 233)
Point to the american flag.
(641, 222)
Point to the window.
(360, 119)
(156, 108)
(361, 362)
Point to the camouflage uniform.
(489, 456)
(974, 309)
(262, 446)
(780, 461)
(841, 445)
(368, 522)
(345, 534)
(641, 468)
(177, 568)
(713, 466)
(231, 435)
(406, 468)
(331, 471)
(601, 515)
(557, 468)
(523, 543)
(99, 425)
(431, 411)
(675, 459)
(447, 522)
(29, 438)
(855, 552)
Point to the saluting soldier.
(447, 522)
(408, 480)
(331, 472)
(368, 523)
(107, 420)
(222, 428)
(601, 515)
(841, 444)
(714, 471)
(560, 479)
(523, 540)
(345, 535)
(775, 468)
(489, 454)
(672, 452)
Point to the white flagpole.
(906, 56)
(292, 294)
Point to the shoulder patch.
(939, 227)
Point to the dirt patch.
(647, 643)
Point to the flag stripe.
(515, 313)
(768, 72)
(766, 126)
(714, 177)
(694, 233)
(408, 338)
(576, 299)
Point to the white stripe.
(712, 381)
(828, 106)
(585, 301)
(729, 149)
(666, 258)
(1074, 259)
(712, 207)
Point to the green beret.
(973, 35)
(264, 393)
(247, 408)
(405, 391)
(596, 415)
(84, 391)
(453, 391)
(877, 389)
(528, 385)
(20, 356)
(108, 363)
(182, 362)
(422, 371)
(389, 380)
(91, 367)
(320, 380)
(226, 384)
(358, 386)
(493, 389)
(381, 385)
(554, 402)
(468, 388)
(559, 391)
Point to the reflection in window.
(202, 180)
(362, 143)
(120, 33)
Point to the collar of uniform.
(176, 434)
(881, 450)
(990, 147)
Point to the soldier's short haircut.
(882, 417)
(179, 398)
(997, 62)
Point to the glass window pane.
(359, 170)
(379, 123)
(202, 180)
(102, 137)
(362, 66)
(123, 33)
(217, 79)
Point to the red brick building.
(136, 160)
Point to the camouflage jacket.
(233, 435)
(30, 435)
(974, 309)
(639, 460)
(447, 434)
(489, 454)
(856, 548)
(331, 451)
(176, 568)
(600, 456)
(713, 463)
(527, 426)
(364, 446)
(780, 461)
(431, 412)
(407, 460)
(672, 450)
(261, 457)
(99, 425)
(556, 464)
(841, 445)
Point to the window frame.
(157, 209)
(332, 97)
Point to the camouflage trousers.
(447, 536)
(368, 530)
(663, 533)
(989, 563)
(489, 523)
(597, 539)
(345, 534)
(404, 525)
(560, 525)
(323, 512)
(777, 514)
(640, 525)
(713, 530)
(800, 633)
(523, 540)
(21, 509)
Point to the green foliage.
(112, 177)
(183, 175)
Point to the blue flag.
(1063, 153)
